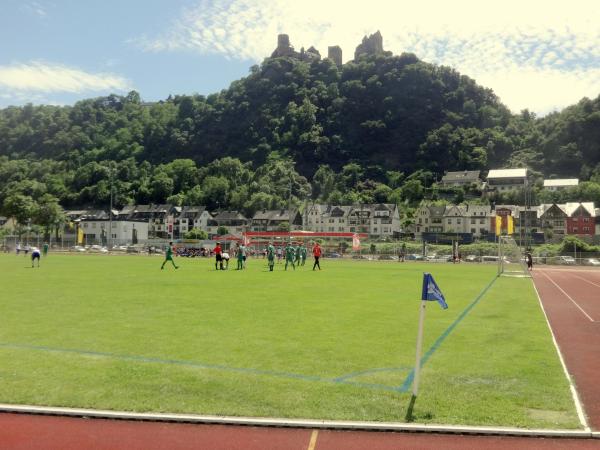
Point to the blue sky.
(542, 55)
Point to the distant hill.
(380, 113)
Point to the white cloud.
(538, 44)
(45, 78)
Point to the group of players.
(295, 256)
(35, 252)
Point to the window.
(114, 236)
(449, 221)
(420, 222)
(375, 230)
(575, 229)
(473, 221)
(458, 221)
(94, 225)
(586, 219)
(426, 220)
(85, 225)
(473, 230)
(586, 229)
(481, 221)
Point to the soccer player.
(290, 255)
(529, 261)
(35, 254)
(279, 254)
(303, 252)
(218, 251)
(45, 249)
(271, 256)
(241, 251)
(169, 257)
(297, 250)
(317, 254)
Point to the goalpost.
(511, 260)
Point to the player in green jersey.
(290, 255)
(169, 257)
(271, 256)
(303, 252)
(297, 254)
(241, 252)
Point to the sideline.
(299, 423)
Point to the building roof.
(465, 176)
(563, 182)
(570, 208)
(507, 173)
(192, 212)
(229, 215)
(437, 211)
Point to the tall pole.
(419, 346)
(110, 211)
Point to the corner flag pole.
(431, 291)
(419, 346)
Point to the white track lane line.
(587, 281)
(569, 297)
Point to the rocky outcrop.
(335, 54)
(371, 45)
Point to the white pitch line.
(569, 297)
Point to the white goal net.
(511, 260)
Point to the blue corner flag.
(431, 291)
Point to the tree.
(48, 214)
(195, 233)
(222, 230)
(21, 207)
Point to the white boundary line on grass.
(296, 423)
(578, 405)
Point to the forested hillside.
(381, 128)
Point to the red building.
(581, 218)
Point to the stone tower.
(335, 54)
(283, 47)
(371, 45)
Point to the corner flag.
(431, 291)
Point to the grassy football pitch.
(116, 332)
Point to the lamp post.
(110, 209)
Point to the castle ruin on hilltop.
(370, 45)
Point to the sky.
(539, 55)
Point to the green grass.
(115, 332)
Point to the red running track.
(31, 432)
(571, 299)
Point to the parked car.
(565, 260)
(414, 257)
(591, 262)
(78, 248)
(472, 258)
(98, 249)
(489, 258)
(387, 258)
(333, 255)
